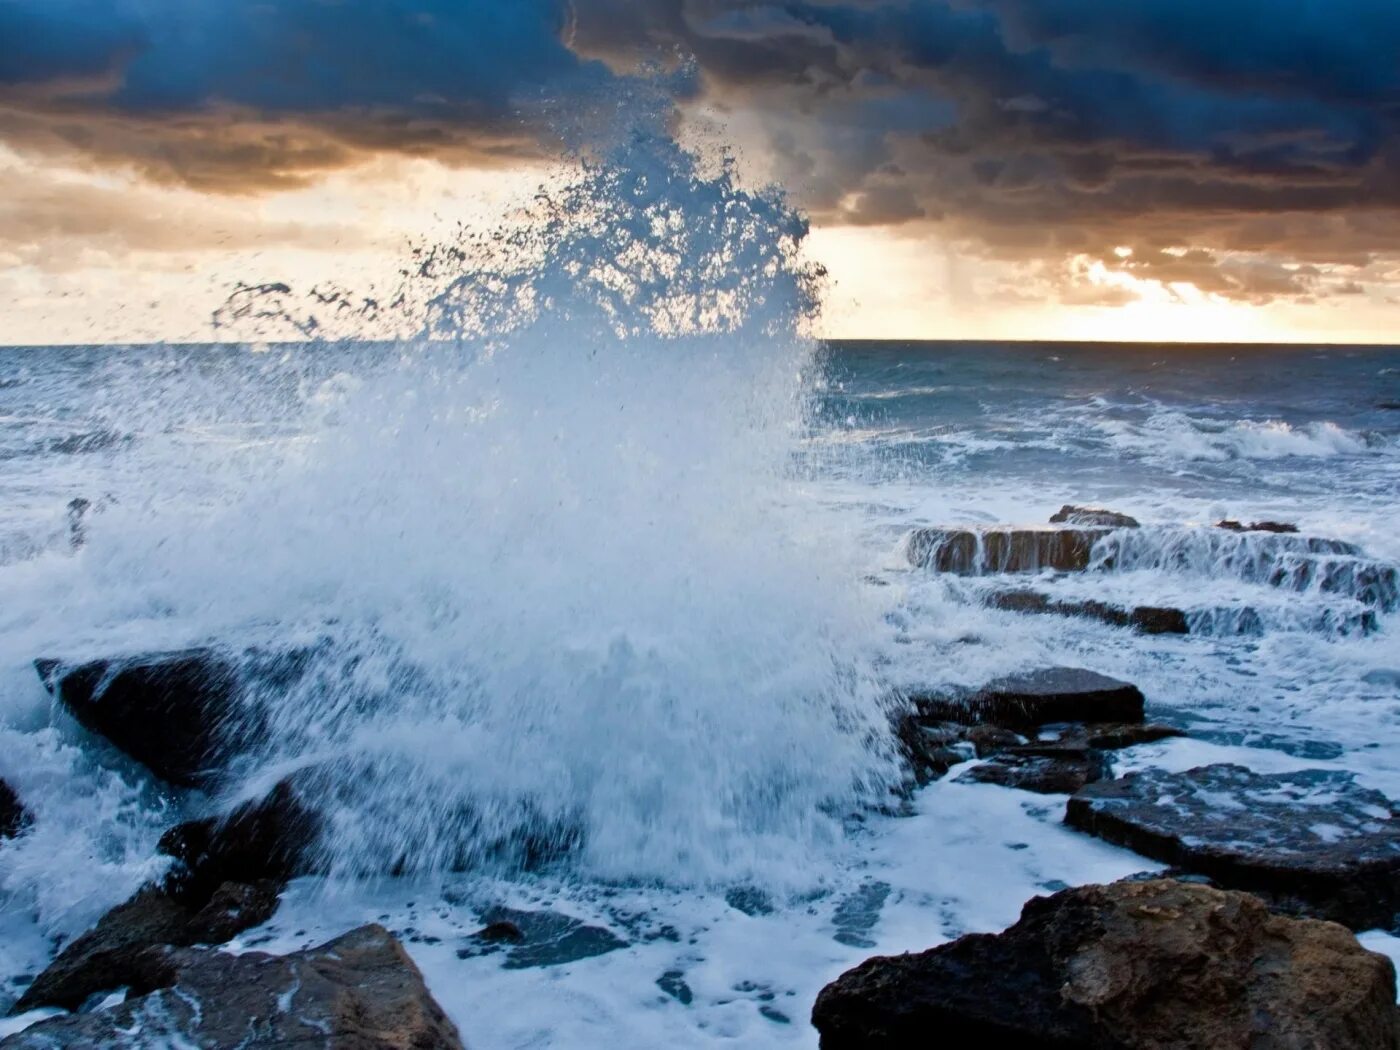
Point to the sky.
(1199, 170)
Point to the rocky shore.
(1247, 940)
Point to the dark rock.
(175, 713)
(1069, 514)
(1156, 965)
(988, 739)
(13, 816)
(1059, 771)
(1024, 701)
(1257, 526)
(928, 751)
(1312, 841)
(358, 992)
(1146, 619)
(1113, 737)
(233, 908)
(503, 931)
(971, 552)
(273, 838)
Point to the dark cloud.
(1026, 129)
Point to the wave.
(1175, 435)
(563, 573)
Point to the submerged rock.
(360, 990)
(978, 552)
(13, 816)
(1069, 514)
(175, 713)
(539, 938)
(1036, 698)
(1257, 526)
(111, 954)
(1146, 619)
(1156, 965)
(1312, 841)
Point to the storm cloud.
(1245, 147)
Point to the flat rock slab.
(1145, 619)
(1058, 771)
(360, 990)
(1157, 965)
(981, 552)
(1312, 842)
(1053, 694)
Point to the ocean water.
(612, 546)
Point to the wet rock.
(546, 938)
(13, 816)
(1114, 737)
(1069, 514)
(109, 955)
(929, 751)
(359, 990)
(1257, 526)
(988, 739)
(1145, 619)
(1312, 841)
(1156, 965)
(972, 552)
(175, 713)
(502, 932)
(1057, 771)
(1024, 701)
(273, 838)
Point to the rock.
(13, 816)
(930, 751)
(1155, 965)
(175, 713)
(971, 552)
(502, 931)
(1069, 514)
(1312, 841)
(1058, 771)
(1113, 737)
(108, 955)
(1146, 619)
(273, 838)
(360, 990)
(103, 958)
(1024, 701)
(1257, 526)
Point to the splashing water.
(551, 549)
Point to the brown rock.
(360, 991)
(1157, 965)
(970, 552)
(1145, 619)
(1257, 526)
(109, 955)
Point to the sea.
(634, 563)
